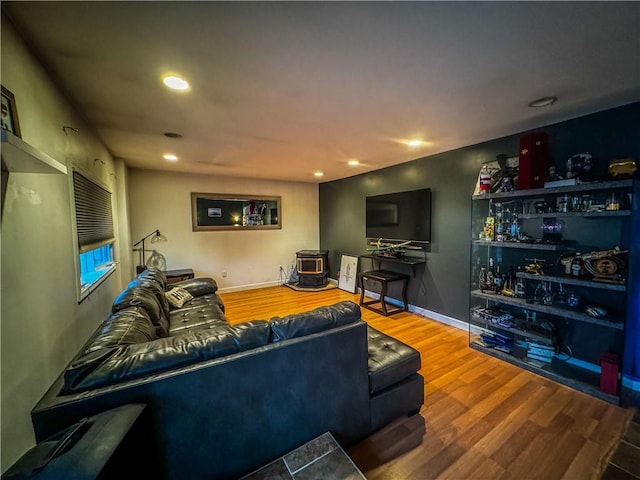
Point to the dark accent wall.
(442, 285)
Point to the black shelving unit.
(579, 337)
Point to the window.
(94, 263)
(94, 227)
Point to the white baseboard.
(251, 286)
(453, 322)
(423, 312)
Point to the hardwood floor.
(482, 418)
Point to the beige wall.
(162, 200)
(41, 325)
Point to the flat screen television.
(400, 216)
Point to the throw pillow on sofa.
(177, 296)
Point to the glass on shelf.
(561, 296)
(547, 298)
(612, 202)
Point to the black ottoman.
(395, 387)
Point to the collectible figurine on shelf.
(520, 289)
(485, 281)
(504, 180)
(489, 231)
(535, 267)
(622, 168)
(490, 280)
(509, 283)
(553, 175)
(561, 296)
(577, 266)
(506, 185)
(573, 300)
(580, 166)
(606, 265)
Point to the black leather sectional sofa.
(225, 399)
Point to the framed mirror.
(223, 211)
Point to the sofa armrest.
(197, 286)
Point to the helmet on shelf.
(580, 165)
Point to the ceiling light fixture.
(175, 82)
(353, 162)
(414, 143)
(170, 156)
(543, 102)
(318, 174)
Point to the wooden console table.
(384, 278)
(378, 260)
(174, 276)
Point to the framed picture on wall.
(10, 113)
(348, 273)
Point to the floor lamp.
(156, 237)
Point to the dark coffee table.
(320, 459)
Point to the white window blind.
(94, 217)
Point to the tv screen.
(400, 216)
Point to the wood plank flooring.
(482, 418)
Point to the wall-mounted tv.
(400, 216)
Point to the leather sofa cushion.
(144, 297)
(253, 334)
(125, 327)
(314, 321)
(109, 366)
(187, 318)
(389, 360)
(201, 302)
(198, 286)
(157, 289)
(155, 275)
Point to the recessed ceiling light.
(543, 102)
(170, 156)
(318, 174)
(414, 143)
(353, 162)
(175, 82)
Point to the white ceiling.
(280, 90)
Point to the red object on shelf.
(485, 180)
(609, 365)
(533, 161)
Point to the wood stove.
(312, 267)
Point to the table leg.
(383, 295)
(404, 294)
